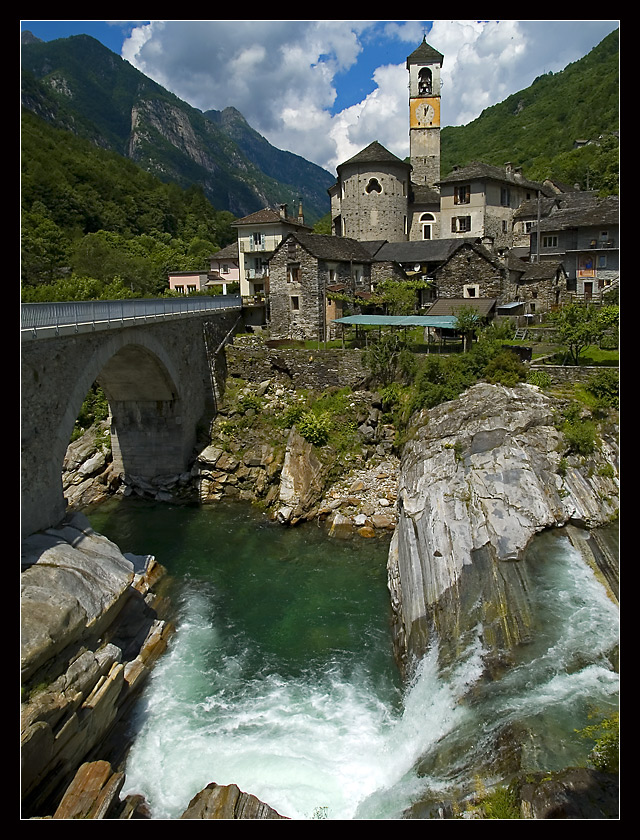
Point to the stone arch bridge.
(159, 364)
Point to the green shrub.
(505, 369)
(580, 433)
(605, 755)
(501, 804)
(605, 387)
(540, 378)
(314, 428)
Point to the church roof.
(375, 153)
(424, 54)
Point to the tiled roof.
(544, 270)
(424, 54)
(374, 153)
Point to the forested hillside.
(543, 128)
(95, 225)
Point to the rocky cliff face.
(480, 476)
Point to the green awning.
(447, 322)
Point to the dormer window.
(373, 186)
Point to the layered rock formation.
(479, 477)
(92, 627)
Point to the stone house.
(305, 269)
(370, 199)
(538, 286)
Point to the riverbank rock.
(228, 802)
(479, 477)
(92, 627)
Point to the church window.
(373, 186)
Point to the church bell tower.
(424, 66)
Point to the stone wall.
(467, 267)
(299, 367)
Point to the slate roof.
(449, 306)
(606, 211)
(424, 54)
(484, 171)
(267, 216)
(374, 153)
(544, 270)
(229, 252)
(325, 247)
(423, 250)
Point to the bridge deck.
(42, 320)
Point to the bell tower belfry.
(424, 65)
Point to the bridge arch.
(158, 381)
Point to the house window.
(180, 289)
(460, 224)
(293, 273)
(462, 195)
(295, 303)
(549, 241)
(471, 291)
(373, 186)
(505, 226)
(257, 241)
(225, 268)
(505, 197)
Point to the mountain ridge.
(80, 85)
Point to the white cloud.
(283, 76)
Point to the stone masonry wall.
(467, 267)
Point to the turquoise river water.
(280, 677)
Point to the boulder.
(302, 476)
(228, 802)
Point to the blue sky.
(326, 89)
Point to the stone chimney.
(283, 211)
(300, 213)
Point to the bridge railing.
(39, 319)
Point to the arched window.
(373, 186)
(427, 220)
